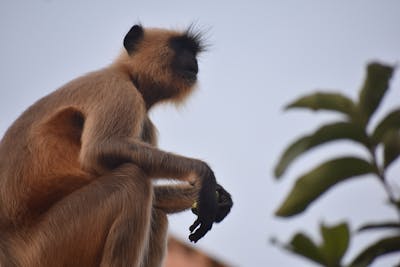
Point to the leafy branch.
(309, 186)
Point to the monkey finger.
(223, 195)
(222, 213)
(194, 225)
(200, 232)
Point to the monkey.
(77, 168)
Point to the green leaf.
(325, 101)
(314, 183)
(382, 225)
(327, 133)
(335, 243)
(382, 247)
(374, 88)
(390, 122)
(391, 149)
(297, 148)
(302, 245)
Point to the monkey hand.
(207, 207)
(225, 204)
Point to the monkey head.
(162, 64)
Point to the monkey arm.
(157, 163)
(111, 136)
(163, 164)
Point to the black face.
(185, 64)
(186, 47)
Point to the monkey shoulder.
(101, 90)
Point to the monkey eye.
(184, 42)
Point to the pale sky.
(263, 54)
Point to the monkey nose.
(190, 65)
(193, 64)
(189, 68)
(194, 68)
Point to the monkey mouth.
(188, 75)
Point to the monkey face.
(184, 64)
(186, 47)
(163, 63)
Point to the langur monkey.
(77, 167)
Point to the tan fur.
(75, 168)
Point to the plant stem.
(382, 177)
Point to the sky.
(262, 55)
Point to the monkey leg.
(105, 223)
(175, 198)
(167, 199)
(155, 253)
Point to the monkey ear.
(133, 37)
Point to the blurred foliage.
(308, 187)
